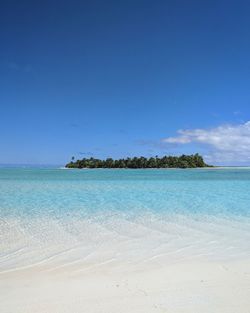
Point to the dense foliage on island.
(183, 161)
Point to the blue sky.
(124, 78)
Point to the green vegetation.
(183, 161)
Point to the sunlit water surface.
(60, 217)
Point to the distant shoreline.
(137, 168)
(162, 168)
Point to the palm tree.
(183, 161)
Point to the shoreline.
(110, 242)
(159, 168)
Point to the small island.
(183, 161)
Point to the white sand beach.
(183, 287)
(143, 266)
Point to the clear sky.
(124, 78)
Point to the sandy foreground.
(113, 287)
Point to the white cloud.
(228, 143)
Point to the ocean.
(61, 217)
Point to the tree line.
(183, 161)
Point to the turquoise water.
(36, 192)
(61, 216)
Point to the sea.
(56, 217)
